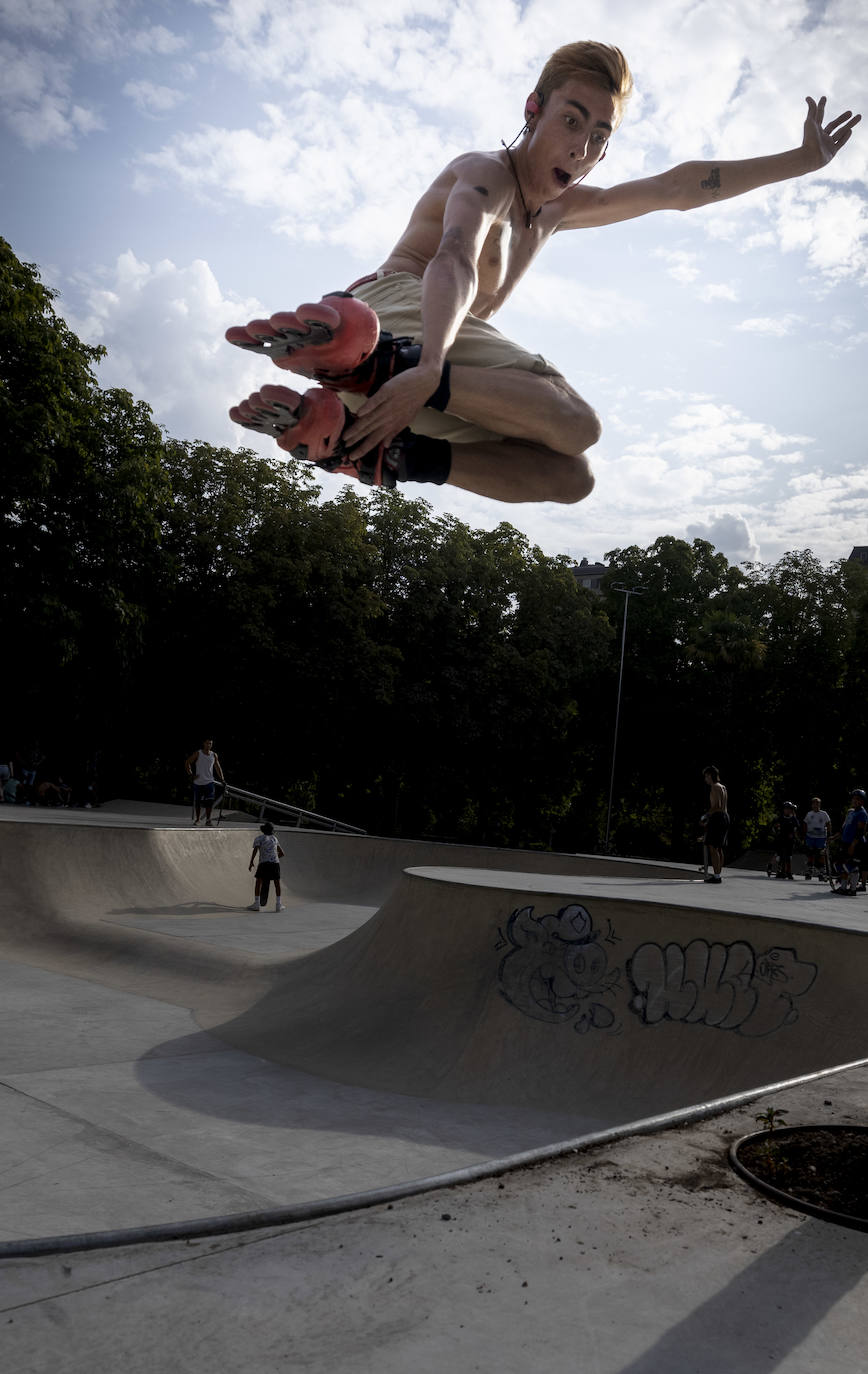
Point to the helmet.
(858, 792)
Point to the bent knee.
(594, 430)
(575, 482)
(578, 423)
(586, 426)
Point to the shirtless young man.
(465, 405)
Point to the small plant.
(771, 1117)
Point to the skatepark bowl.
(174, 1064)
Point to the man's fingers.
(842, 119)
(362, 438)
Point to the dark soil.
(826, 1168)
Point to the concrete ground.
(640, 1253)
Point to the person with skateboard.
(414, 383)
(203, 766)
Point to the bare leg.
(546, 427)
(524, 405)
(515, 471)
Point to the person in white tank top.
(203, 766)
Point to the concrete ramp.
(415, 1009)
(612, 999)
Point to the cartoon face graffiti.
(557, 970)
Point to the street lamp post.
(627, 592)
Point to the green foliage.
(360, 656)
(771, 1118)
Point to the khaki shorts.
(397, 299)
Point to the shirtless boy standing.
(414, 383)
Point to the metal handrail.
(285, 808)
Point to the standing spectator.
(28, 760)
(787, 833)
(852, 844)
(717, 826)
(816, 829)
(203, 766)
(268, 868)
(6, 772)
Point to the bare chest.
(509, 249)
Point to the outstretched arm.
(693, 184)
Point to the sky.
(177, 166)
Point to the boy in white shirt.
(268, 868)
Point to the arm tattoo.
(713, 182)
(483, 190)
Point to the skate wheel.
(261, 330)
(238, 335)
(287, 325)
(281, 398)
(319, 314)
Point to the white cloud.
(548, 295)
(43, 96)
(682, 265)
(312, 167)
(831, 227)
(187, 373)
(36, 99)
(731, 534)
(152, 99)
(775, 328)
(158, 39)
(718, 291)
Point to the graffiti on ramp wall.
(558, 968)
(562, 968)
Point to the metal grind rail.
(309, 819)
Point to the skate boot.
(333, 336)
(337, 343)
(309, 426)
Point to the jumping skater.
(439, 394)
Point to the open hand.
(823, 142)
(392, 409)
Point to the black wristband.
(439, 399)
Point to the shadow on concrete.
(234, 1086)
(178, 909)
(767, 1310)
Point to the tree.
(82, 488)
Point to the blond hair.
(598, 62)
